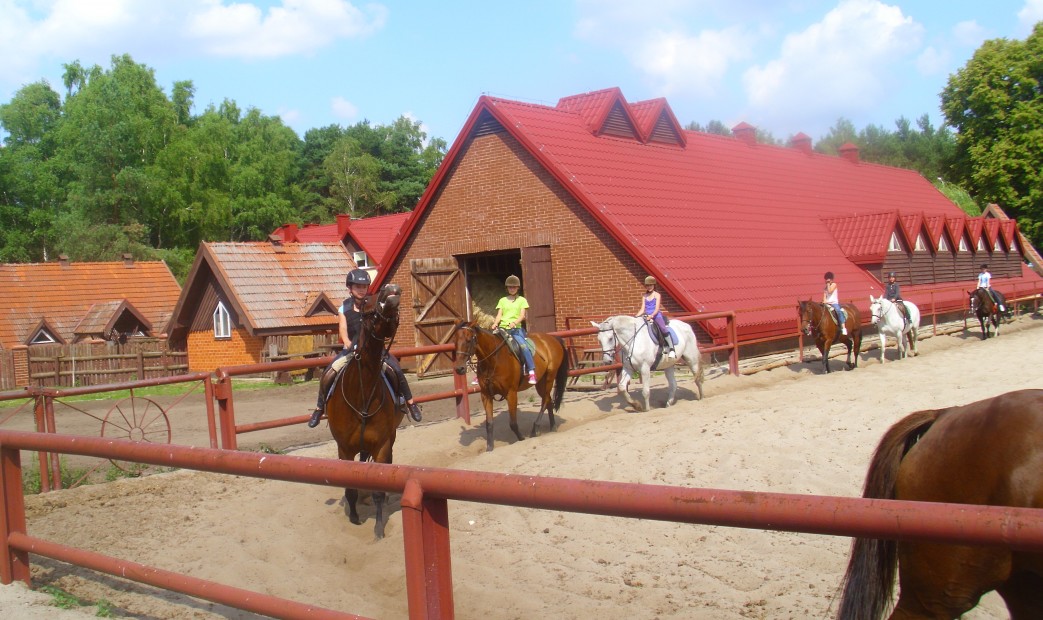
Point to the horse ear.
(595, 324)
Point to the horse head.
(607, 341)
(380, 312)
(807, 316)
(466, 343)
(876, 308)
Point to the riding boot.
(325, 383)
(414, 412)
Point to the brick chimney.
(801, 142)
(745, 132)
(849, 152)
(343, 224)
(277, 245)
(128, 259)
(289, 233)
(63, 260)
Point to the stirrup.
(316, 416)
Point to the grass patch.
(63, 600)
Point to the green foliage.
(995, 103)
(32, 483)
(62, 599)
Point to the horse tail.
(868, 584)
(563, 375)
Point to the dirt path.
(788, 430)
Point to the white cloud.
(1031, 13)
(342, 108)
(969, 33)
(840, 64)
(932, 61)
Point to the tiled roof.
(722, 223)
(272, 287)
(372, 234)
(64, 295)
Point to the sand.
(788, 430)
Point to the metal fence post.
(13, 564)
(425, 536)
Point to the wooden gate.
(539, 288)
(439, 303)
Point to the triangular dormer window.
(981, 245)
(618, 123)
(894, 245)
(920, 245)
(1013, 247)
(996, 246)
(43, 337)
(943, 245)
(964, 246)
(664, 131)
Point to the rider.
(510, 312)
(652, 310)
(985, 282)
(893, 293)
(831, 297)
(349, 320)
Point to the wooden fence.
(93, 363)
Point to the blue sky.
(781, 65)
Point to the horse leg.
(693, 365)
(623, 387)
(545, 405)
(824, 349)
(379, 499)
(945, 581)
(487, 403)
(912, 340)
(670, 394)
(512, 408)
(351, 497)
(646, 388)
(883, 347)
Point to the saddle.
(387, 373)
(515, 348)
(833, 314)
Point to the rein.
(478, 360)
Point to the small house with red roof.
(65, 303)
(585, 198)
(246, 302)
(368, 239)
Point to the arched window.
(222, 322)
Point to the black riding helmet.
(357, 276)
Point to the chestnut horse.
(984, 453)
(500, 373)
(361, 410)
(987, 311)
(817, 319)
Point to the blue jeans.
(840, 314)
(519, 336)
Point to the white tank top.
(831, 298)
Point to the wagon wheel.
(136, 419)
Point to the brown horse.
(500, 373)
(984, 453)
(361, 410)
(987, 311)
(816, 319)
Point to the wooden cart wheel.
(137, 419)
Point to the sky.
(784, 66)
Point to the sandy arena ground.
(787, 430)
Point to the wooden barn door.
(439, 304)
(538, 279)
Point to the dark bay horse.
(361, 410)
(988, 313)
(984, 453)
(500, 374)
(816, 319)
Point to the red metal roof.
(373, 234)
(60, 296)
(722, 223)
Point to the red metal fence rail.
(425, 495)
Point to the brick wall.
(205, 353)
(497, 197)
(20, 362)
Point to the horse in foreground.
(887, 317)
(362, 412)
(984, 453)
(817, 319)
(640, 351)
(988, 313)
(500, 374)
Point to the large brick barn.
(585, 198)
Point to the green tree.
(995, 103)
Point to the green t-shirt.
(511, 310)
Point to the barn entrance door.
(538, 283)
(438, 305)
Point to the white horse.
(889, 322)
(639, 350)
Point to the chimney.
(63, 260)
(128, 259)
(343, 223)
(289, 233)
(745, 132)
(277, 245)
(849, 152)
(801, 142)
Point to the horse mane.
(868, 583)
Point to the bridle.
(370, 317)
(883, 312)
(471, 348)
